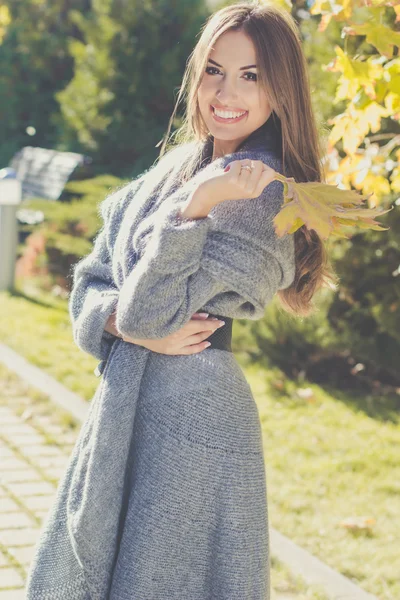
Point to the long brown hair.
(284, 78)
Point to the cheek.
(207, 87)
(257, 103)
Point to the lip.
(232, 120)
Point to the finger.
(244, 174)
(233, 165)
(195, 348)
(198, 337)
(234, 170)
(200, 316)
(197, 325)
(252, 182)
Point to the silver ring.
(246, 167)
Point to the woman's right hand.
(189, 339)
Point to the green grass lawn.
(38, 327)
(330, 457)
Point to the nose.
(227, 92)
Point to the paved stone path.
(36, 439)
(34, 449)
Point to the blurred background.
(87, 88)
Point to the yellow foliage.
(395, 179)
(354, 125)
(378, 35)
(5, 20)
(374, 76)
(324, 208)
(355, 75)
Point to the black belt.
(220, 340)
(222, 337)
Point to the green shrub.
(70, 227)
(365, 313)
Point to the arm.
(230, 258)
(94, 294)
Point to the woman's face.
(234, 90)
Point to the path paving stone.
(8, 505)
(39, 502)
(22, 554)
(12, 594)
(44, 462)
(35, 446)
(12, 463)
(11, 578)
(31, 488)
(18, 537)
(20, 476)
(15, 520)
(5, 452)
(40, 450)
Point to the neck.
(222, 147)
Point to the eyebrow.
(241, 68)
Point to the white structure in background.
(10, 199)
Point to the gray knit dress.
(164, 497)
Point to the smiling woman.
(165, 494)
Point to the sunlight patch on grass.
(328, 462)
(39, 329)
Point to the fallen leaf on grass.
(306, 394)
(358, 523)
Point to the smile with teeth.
(227, 115)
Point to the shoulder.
(114, 202)
(252, 219)
(117, 201)
(176, 154)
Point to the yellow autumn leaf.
(375, 185)
(346, 128)
(395, 179)
(5, 20)
(338, 10)
(356, 523)
(355, 74)
(378, 35)
(392, 105)
(392, 72)
(324, 208)
(354, 125)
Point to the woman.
(165, 494)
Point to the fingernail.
(203, 314)
(227, 168)
(207, 344)
(220, 324)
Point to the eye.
(253, 74)
(215, 69)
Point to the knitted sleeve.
(94, 294)
(229, 262)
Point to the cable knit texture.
(164, 497)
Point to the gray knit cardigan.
(156, 272)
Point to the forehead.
(232, 48)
